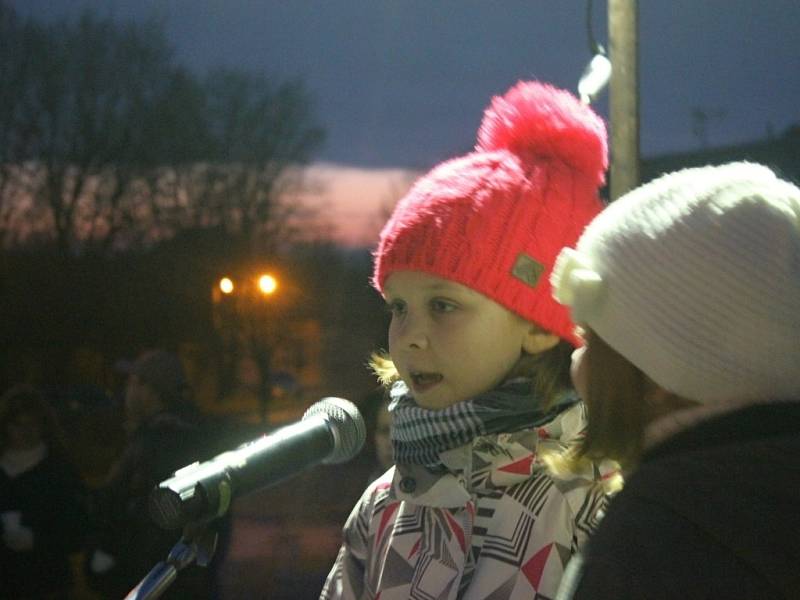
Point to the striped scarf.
(419, 435)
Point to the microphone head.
(346, 425)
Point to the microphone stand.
(197, 544)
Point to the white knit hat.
(695, 279)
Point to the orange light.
(226, 285)
(267, 284)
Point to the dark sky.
(404, 82)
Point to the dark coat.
(51, 498)
(713, 512)
(163, 444)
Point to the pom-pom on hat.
(495, 219)
(695, 279)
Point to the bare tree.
(18, 70)
(99, 99)
(260, 134)
(116, 145)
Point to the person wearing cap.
(688, 292)
(478, 367)
(163, 436)
(156, 386)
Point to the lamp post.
(240, 307)
(622, 70)
(623, 17)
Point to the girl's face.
(140, 402)
(448, 342)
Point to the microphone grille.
(346, 424)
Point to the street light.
(594, 78)
(621, 73)
(596, 75)
(242, 306)
(267, 284)
(226, 285)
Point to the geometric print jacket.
(496, 524)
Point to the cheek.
(487, 359)
(579, 371)
(391, 335)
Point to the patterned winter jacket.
(495, 525)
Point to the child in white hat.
(688, 291)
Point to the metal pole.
(624, 95)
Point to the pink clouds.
(354, 202)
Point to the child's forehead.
(403, 282)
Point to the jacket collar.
(488, 463)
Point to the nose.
(409, 332)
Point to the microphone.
(331, 431)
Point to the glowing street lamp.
(226, 285)
(267, 284)
(243, 314)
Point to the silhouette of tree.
(108, 143)
(259, 134)
(127, 180)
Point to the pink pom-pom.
(536, 120)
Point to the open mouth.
(424, 381)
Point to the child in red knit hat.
(478, 367)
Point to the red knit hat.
(495, 219)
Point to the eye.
(440, 305)
(396, 307)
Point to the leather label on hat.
(527, 270)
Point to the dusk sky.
(401, 84)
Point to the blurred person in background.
(383, 440)
(375, 410)
(42, 500)
(164, 435)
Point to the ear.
(535, 340)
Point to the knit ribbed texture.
(527, 191)
(701, 282)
